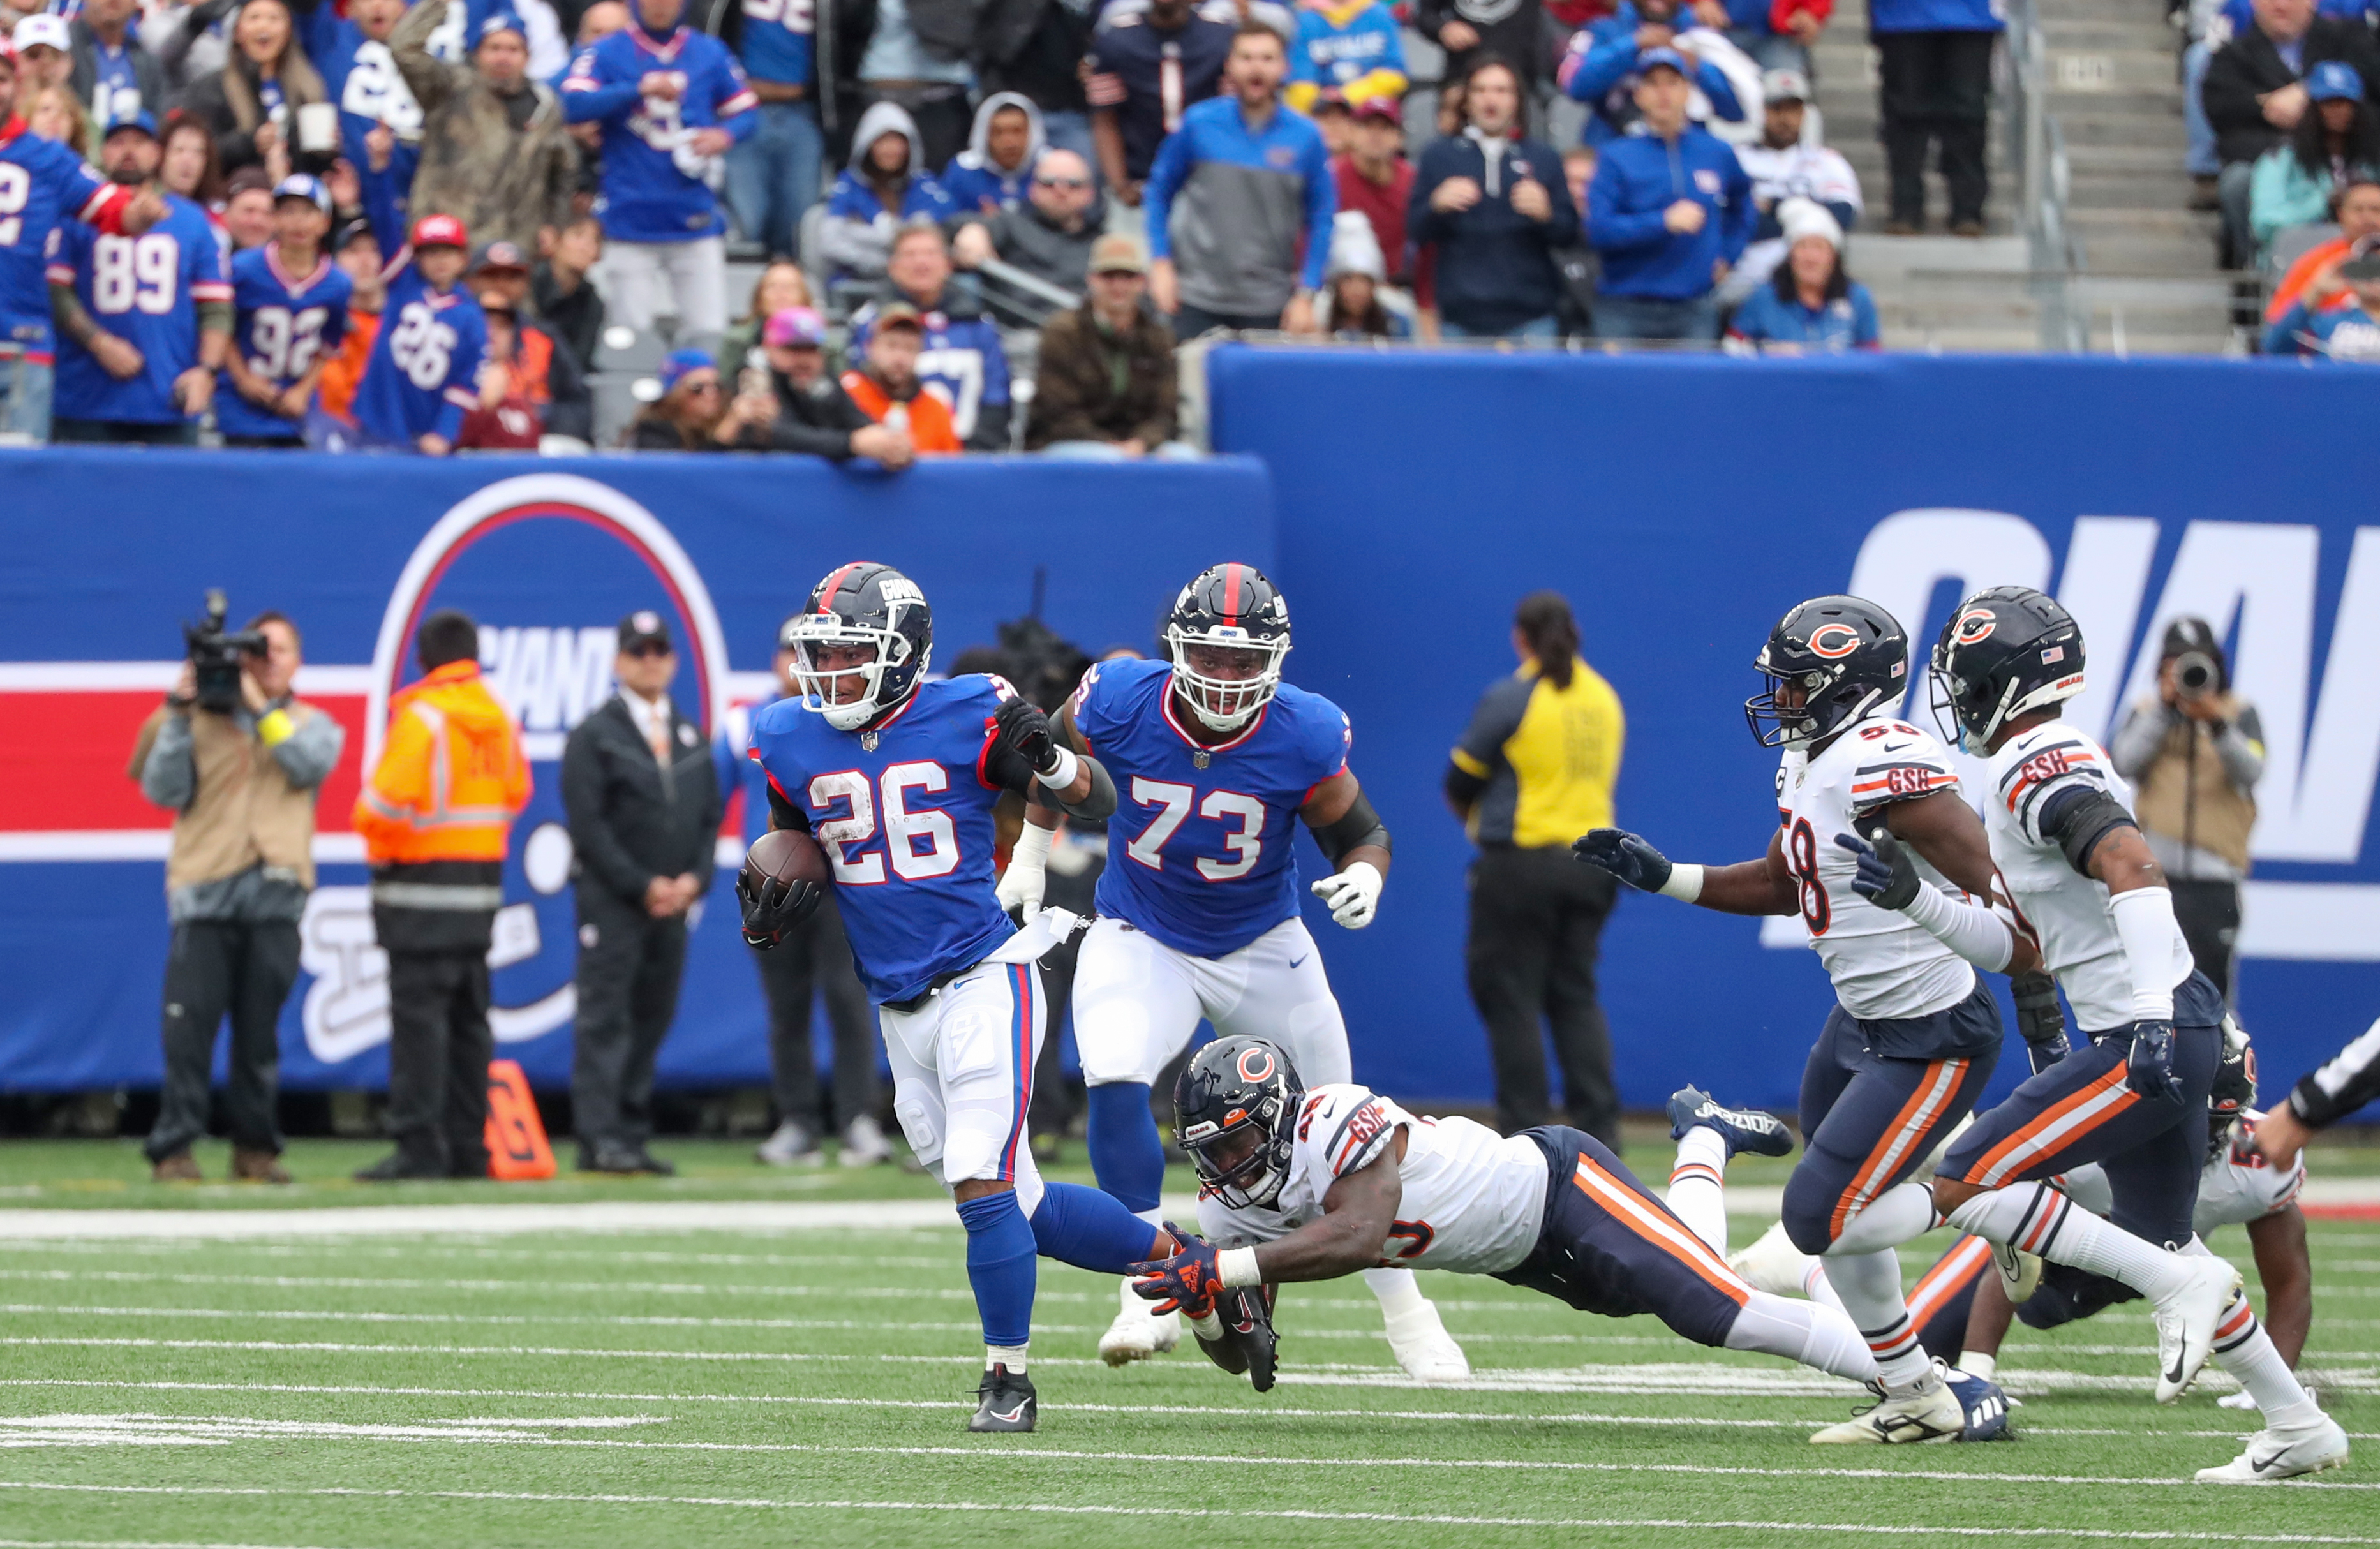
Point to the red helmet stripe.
(835, 585)
(1230, 591)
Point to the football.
(788, 857)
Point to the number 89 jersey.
(1199, 850)
(144, 290)
(1883, 966)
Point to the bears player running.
(1302, 1183)
(1914, 1034)
(896, 778)
(1215, 760)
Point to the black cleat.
(1742, 1129)
(1008, 1403)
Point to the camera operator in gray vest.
(237, 759)
(2193, 756)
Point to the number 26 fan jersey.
(424, 370)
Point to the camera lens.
(2194, 674)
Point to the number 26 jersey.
(1201, 851)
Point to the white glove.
(1021, 884)
(1352, 895)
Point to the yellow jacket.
(451, 775)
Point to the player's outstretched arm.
(1761, 887)
(1357, 841)
(2284, 1265)
(1945, 830)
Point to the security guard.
(435, 818)
(1540, 758)
(645, 807)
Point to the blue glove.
(2039, 1019)
(1190, 1280)
(1886, 876)
(1624, 855)
(2148, 1069)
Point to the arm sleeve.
(2283, 336)
(588, 96)
(2347, 1080)
(309, 753)
(2241, 748)
(169, 777)
(1880, 777)
(1721, 92)
(1321, 204)
(1481, 751)
(1165, 175)
(737, 107)
(2136, 740)
(1591, 68)
(384, 807)
(431, 81)
(2229, 94)
(1608, 228)
(599, 850)
(1422, 222)
(2070, 769)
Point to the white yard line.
(438, 1220)
(119, 1543)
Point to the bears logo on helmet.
(1235, 1108)
(1844, 657)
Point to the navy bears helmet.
(861, 605)
(1235, 1113)
(2003, 653)
(1845, 656)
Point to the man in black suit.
(644, 809)
(2254, 94)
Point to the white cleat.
(1137, 1332)
(1773, 1264)
(2185, 1324)
(1929, 1414)
(2019, 1272)
(2273, 1455)
(1424, 1347)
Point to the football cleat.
(1006, 1402)
(1986, 1406)
(1424, 1347)
(1248, 1315)
(2019, 1272)
(2185, 1324)
(1137, 1332)
(1742, 1129)
(1774, 1264)
(1930, 1412)
(2283, 1455)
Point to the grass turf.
(719, 1389)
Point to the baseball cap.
(500, 21)
(144, 121)
(500, 255)
(1330, 100)
(1784, 86)
(899, 314)
(42, 31)
(644, 624)
(352, 230)
(2334, 80)
(298, 185)
(789, 632)
(1660, 59)
(1381, 108)
(440, 231)
(1117, 253)
(797, 326)
(676, 366)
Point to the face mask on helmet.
(1225, 676)
(839, 667)
(1244, 1163)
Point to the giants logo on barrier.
(546, 564)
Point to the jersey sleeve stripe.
(60, 273)
(739, 102)
(2027, 760)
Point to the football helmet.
(2234, 1092)
(1230, 608)
(861, 604)
(1236, 1090)
(1848, 658)
(2002, 653)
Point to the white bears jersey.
(2067, 910)
(1473, 1202)
(1883, 964)
(2238, 1186)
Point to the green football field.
(695, 1366)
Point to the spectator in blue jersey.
(1147, 65)
(423, 375)
(289, 302)
(773, 176)
(1809, 306)
(1606, 58)
(1353, 48)
(672, 101)
(1935, 86)
(252, 103)
(964, 364)
(1669, 210)
(142, 321)
(995, 170)
(1234, 196)
(114, 76)
(885, 187)
(495, 153)
(379, 123)
(2338, 317)
(1497, 207)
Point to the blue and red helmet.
(860, 608)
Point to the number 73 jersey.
(1473, 1200)
(1883, 966)
(1199, 850)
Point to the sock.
(1802, 1331)
(1010, 1356)
(1698, 1186)
(1901, 1214)
(1818, 1288)
(2035, 1219)
(1975, 1363)
(1089, 1230)
(1869, 1285)
(1126, 1156)
(1395, 1289)
(2245, 1350)
(1000, 1260)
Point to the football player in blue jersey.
(896, 778)
(1215, 761)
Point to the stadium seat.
(627, 349)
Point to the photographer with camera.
(237, 759)
(2193, 756)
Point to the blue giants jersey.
(907, 823)
(285, 324)
(42, 183)
(778, 40)
(423, 373)
(1202, 858)
(648, 195)
(145, 290)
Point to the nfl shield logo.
(868, 741)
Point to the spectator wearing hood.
(671, 101)
(1107, 388)
(1810, 305)
(885, 187)
(773, 177)
(2356, 207)
(1669, 210)
(1051, 236)
(690, 410)
(113, 74)
(1935, 87)
(886, 387)
(2337, 137)
(2338, 316)
(1783, 167)
(494, 148)
(993, 172)
(251, 104)
(1605, 58)
(1495, 208)
(1356, 304)
(1035, 49)
(965, 367)
(806, 409)
(1353, 47)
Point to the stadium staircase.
(2089, 246)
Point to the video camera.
(2196, 675)
(217, 655)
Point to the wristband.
(1685, 883)
(275, 728)
(1061, 774)
(1238, 1268)
(1209, 1328)
(1032, 847)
